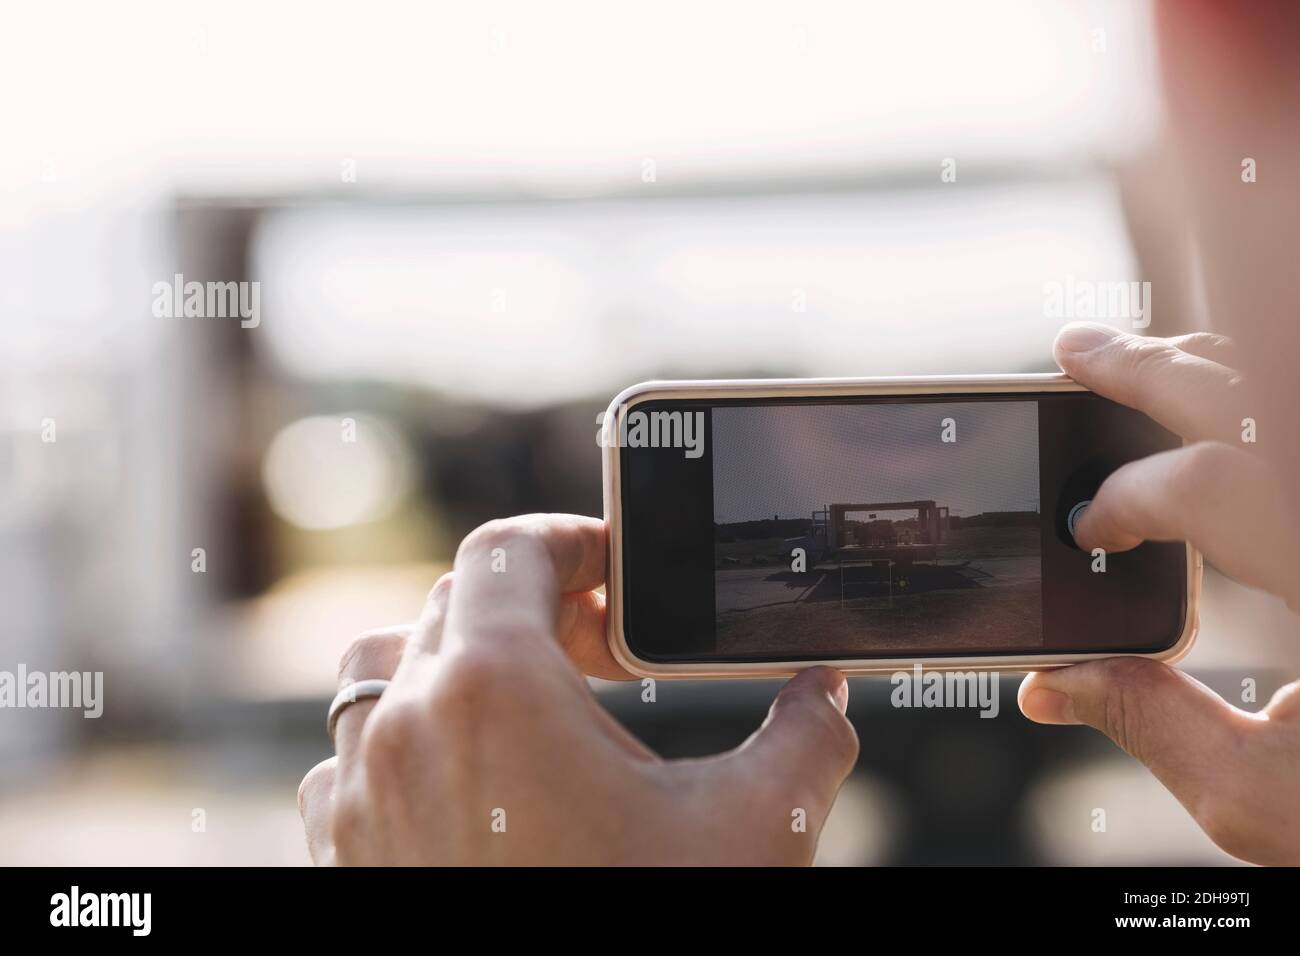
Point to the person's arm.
(489, 748)
(1237, 773)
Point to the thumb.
(806, 747)
(1178, 727)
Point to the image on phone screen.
(891, 527)
(888, 526)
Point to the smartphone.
(761, 527)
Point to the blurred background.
(471, 226)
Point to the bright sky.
(113, 110)
(244, 94)
(792, 460)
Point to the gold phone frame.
(630, 397)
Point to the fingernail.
(840, 695)
(831, 682)
(1045, 706)
(1084, 337)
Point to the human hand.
(1237, 773)
(489, 748)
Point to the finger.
(426, 636)
(1284, 706)
(1224, 501)
(1207, 345)
(582, 635)
(581, 630)
(511, 575)
(315, 804)
(1176, 726)
(1191, 396)
(806, 747)
(374, 654)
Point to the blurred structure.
(469, 229)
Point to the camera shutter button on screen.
(1075, 514)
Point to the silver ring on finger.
(349, 695)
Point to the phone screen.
(884, 526)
